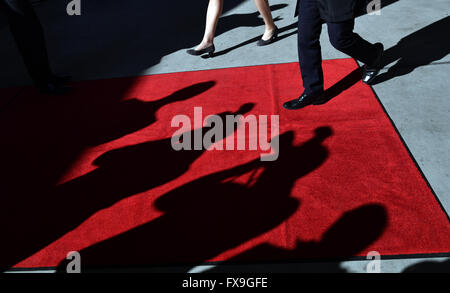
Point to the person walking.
(212, 17)
(340, 19)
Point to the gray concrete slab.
(403, 19)
(419, 107)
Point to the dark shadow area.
(40, 144)
(7, 97)
(350, 235)
(429, 267)
(417, 49)
(212, 214)
(3, 21)
(114, 38)
(342, 85)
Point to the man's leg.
(309, 50)
(309, 54)
(345, 40)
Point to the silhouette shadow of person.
(120, 173)
(420, 48)
(84, 120)
(107, 122)
(353, 232)
(214, 213)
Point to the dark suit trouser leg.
(29, 36)
(309, 50)
(345, 40)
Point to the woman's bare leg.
(212, 17)
(264, 9)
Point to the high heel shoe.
(208, 50)
(272, 39)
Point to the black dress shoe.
(272, 39)
(370, 72)
(208, 50)
(304, 100)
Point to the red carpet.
(95, 172)
(6, 94)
